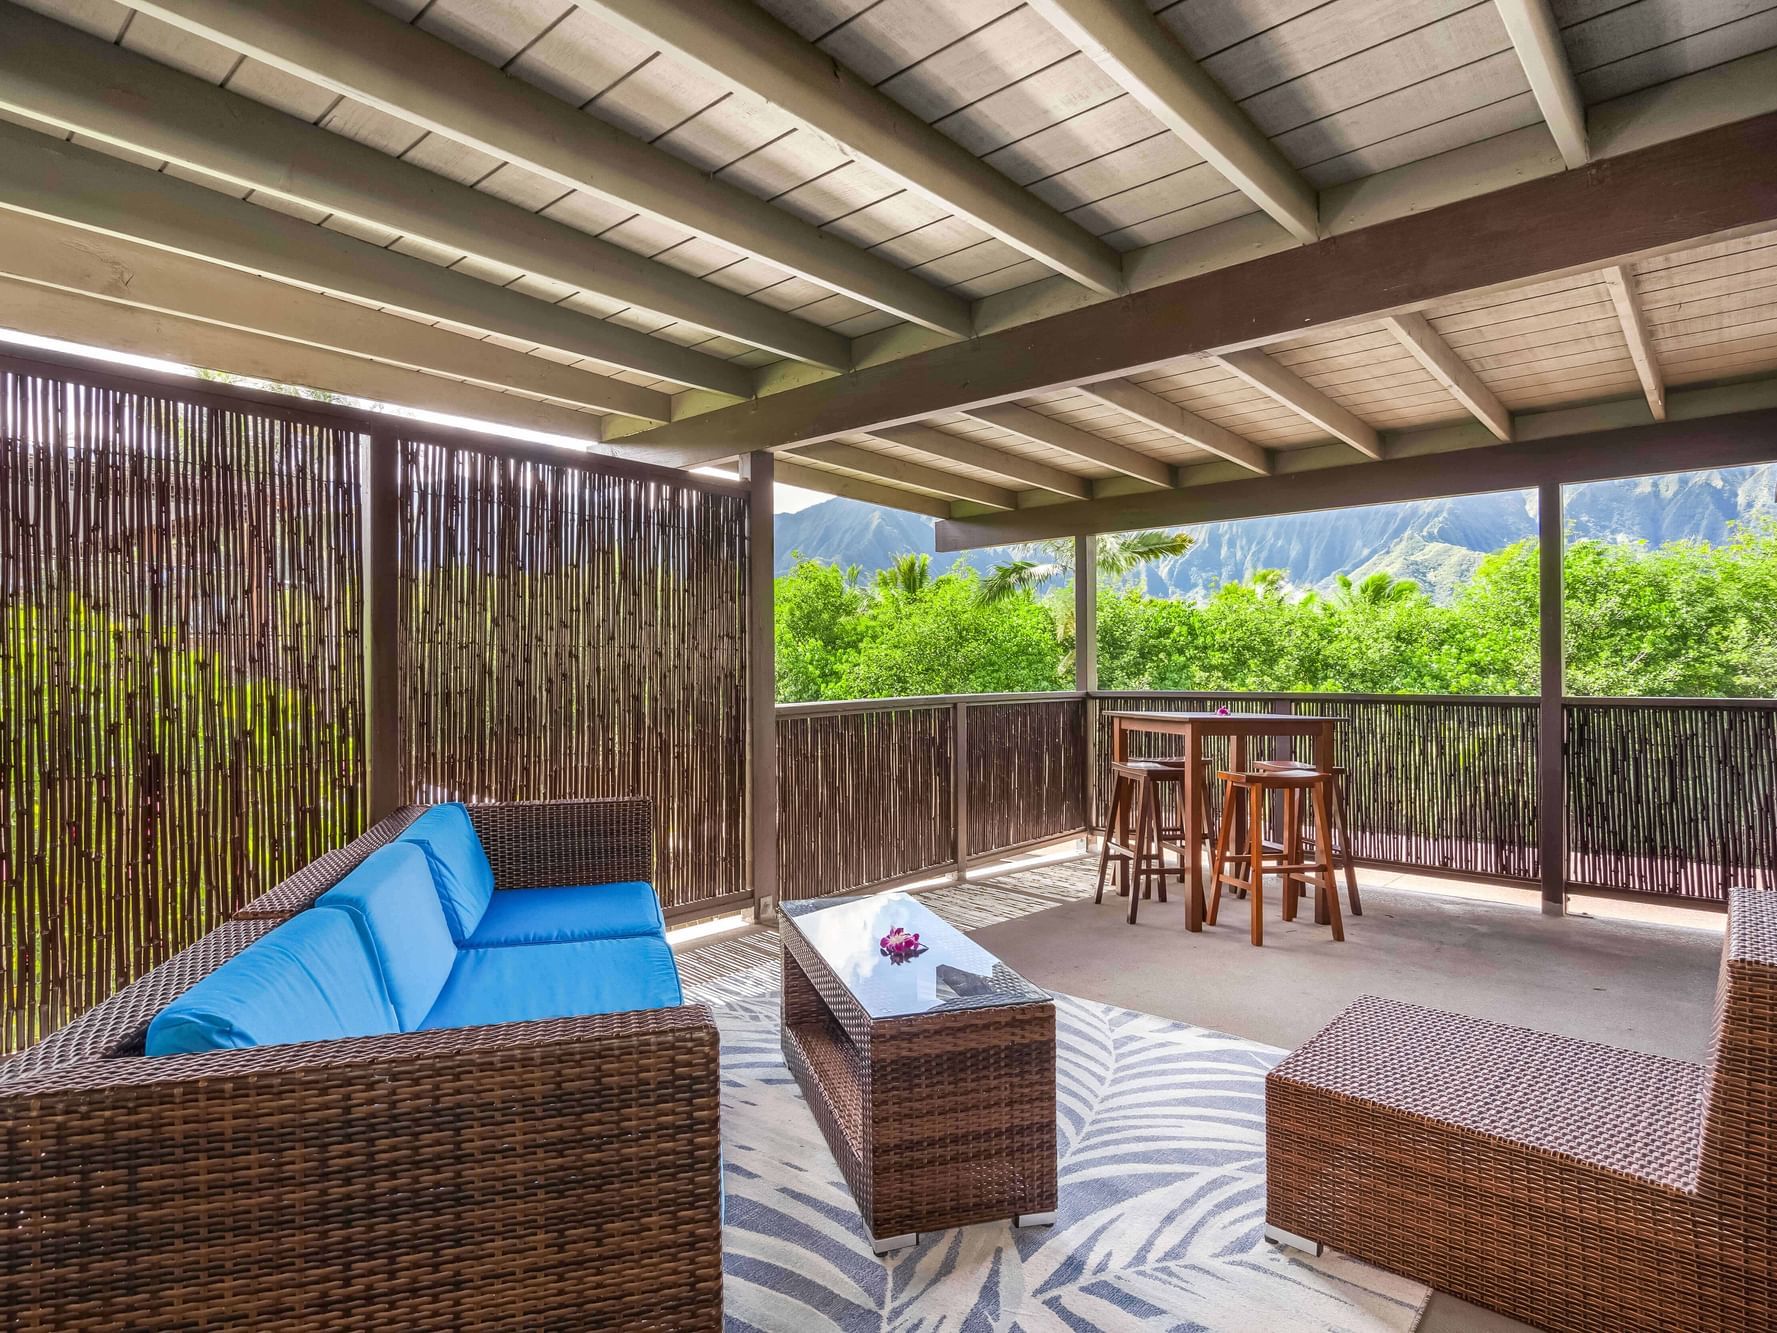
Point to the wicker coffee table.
(933, 1079)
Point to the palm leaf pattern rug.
(1162, 1204)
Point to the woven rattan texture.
(181, 692)
(935, 1121)
(554, 1175)
(116, 1025)
(569, 632)
(547, 844)
(1501, 1165)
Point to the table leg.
(1323, 760)
(1195, 799)
(1120, 754)
(1237, 764)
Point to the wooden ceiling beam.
(1730, 439)
(1414, 332)
(903, 472)
(1537, 38)
(1302, 398)
(737, 43)
(61, 75)
(94, 322)
(1021, 420)
(353, 48)
(1125, 40)
(1620, 282)
(1674, 194)
(971, 453)
(82, 188)
(49, 254)
(1162, 414)
(791, 473)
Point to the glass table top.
(953, 973)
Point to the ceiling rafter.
(904, 472)
(1163, 414)
(1071, 439)
(1301, 397)
(1672, 194)
(51, 179)
(78, 318)
(1126, 41)
(739, 44)
(63, 76)
(972, 453)
(791, 473)
(1537, 39)
(1415, 333)
(351, 47)
(36, 250)
(1620, 283)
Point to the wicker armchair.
(554, 1174)
(1571, 1185)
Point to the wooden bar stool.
(1136, 791)
(1254, 789)
(1342, 849)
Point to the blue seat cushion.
(394, 901)
(311, 979)
(560, 916)
(557, 981)
(465, 880)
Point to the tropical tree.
(1119, 555)
(908, 577)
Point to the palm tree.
(1378, 589)
(907, 577)
(1119, 554)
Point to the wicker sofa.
(561, 1171)
(1571, 1185)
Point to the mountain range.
(1437, 542)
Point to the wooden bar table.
(1194, 727)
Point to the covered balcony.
(417, 908)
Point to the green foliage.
(1686, 618)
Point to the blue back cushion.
(465, 881)
(395, 903)
(311, 979)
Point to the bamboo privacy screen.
(571, 631)
(1674, 797)
(181, 702)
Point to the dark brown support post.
(959, 785)
(381, 482)
(756, 469)
(1551, 733)
(1086, 659)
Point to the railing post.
(1551, 732)
(756, 469)
(959, 785)
(1086, 663)
(380, 479)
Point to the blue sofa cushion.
(559, 916)
(557, 981)
(311, 979)
(465, 881)
(394, 900)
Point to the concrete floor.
(1490, 953)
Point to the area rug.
(1162, 1205)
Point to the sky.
(785, 499)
